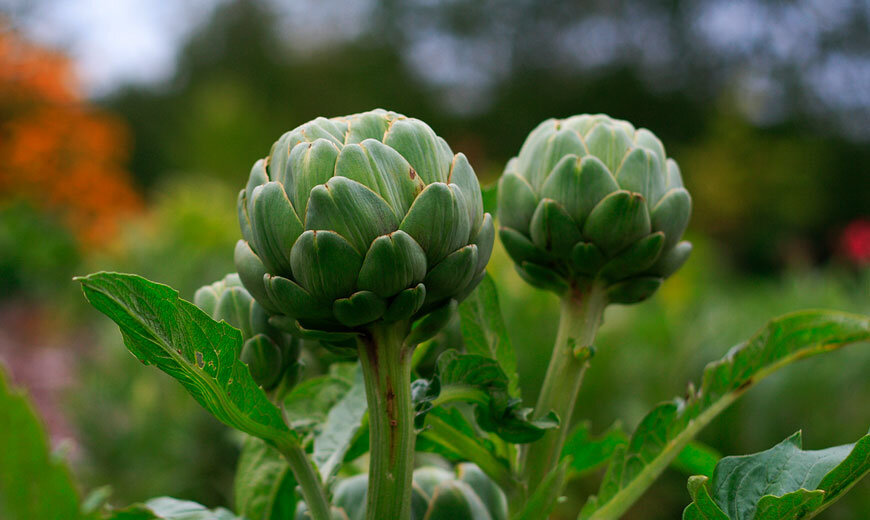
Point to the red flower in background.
(56, 151)
(855, 241)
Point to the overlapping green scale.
(357, 219)
(271, 355)
(590, 198)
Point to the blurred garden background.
(127, 128)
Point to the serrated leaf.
(264, 486)
(174, 335)
(481, 381)
(484, 332)
(167, 508)
(782, 483)
(669, 427)
(33, 484)
(342, 426)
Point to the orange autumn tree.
(57, 152)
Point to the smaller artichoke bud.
(263, 357)
(267, 351)
(464, 494)
(590, 199)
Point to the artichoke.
(359, 219)
(268, 352)
(438, 494)
(590, 199)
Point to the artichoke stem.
(386, 365)
(578, 323)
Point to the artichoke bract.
(271, 355)
(590, 198)
(438, 494)
(358, 219)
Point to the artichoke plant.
(592, 209)
(271, 355)
(591, 198)
(359, 219)
(354, 228)
(438, 494)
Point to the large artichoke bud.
(361, 218)
(438, 494)
(590, 198)
(268, 352)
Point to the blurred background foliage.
(765, 105)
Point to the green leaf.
(264, 486)
(544, 498)
(450, 434)
(484, 332)
(669, 427)
(782, 483)
(703, 507)
(33, 484)
(306, 406)
(166, 508)
(177, 337)
(697, 459)
(481, 381)
(588, 452)
(342, 427)
(330, 409)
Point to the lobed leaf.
(782, 483)
(174, 335)
(33, 483)
(484, 332)
(669, 427)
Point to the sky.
(113, 42)
(117, 42)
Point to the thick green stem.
(578, 323)
(386, 365)
(307, 478)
